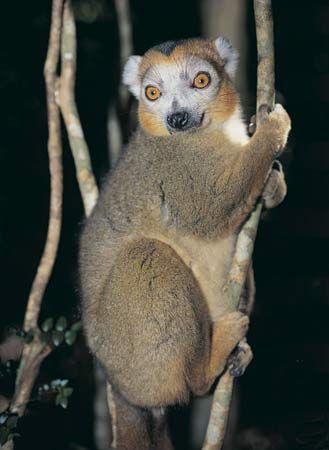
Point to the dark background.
(283, 398)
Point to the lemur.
(156, 251)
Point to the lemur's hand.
(278, 125)
(275, 188)
(278, 121)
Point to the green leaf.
(61, 324)
(70, 337)
(63, 402)
(67, 391)
(12, 421)
(4, 433)
(57, 337)
(77, 326)
(47, 324)
(12, 435)
(58, 383)
(44, 337)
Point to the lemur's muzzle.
(178, 120)
(183, 120)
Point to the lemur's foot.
(239, 359)
(234, 327)
(275, 188)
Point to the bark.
(265, 96)
(119, 108)
(265, 52)
(79, 148)
(88, 190)
(34, 353)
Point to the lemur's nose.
(178, 120)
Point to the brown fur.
(154, 258)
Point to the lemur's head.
(183, 85)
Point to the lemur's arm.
(275, 188)
(258, 155)
(252, 166)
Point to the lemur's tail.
(139, 428)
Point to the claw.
(240, 359)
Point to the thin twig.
(103, 417)
(34, 353)
(126, 44)
(85, 177)
(56, 173)
(117, 129)
(245, 243)
(265, 52)
(79, 148)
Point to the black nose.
(178, 120)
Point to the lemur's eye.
(152, 93)
(201, 80)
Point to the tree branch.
(79, 148)
(265, 52)
(241, 261)
(117, 128)
(56, 174)
(126, 44)
(34, 353)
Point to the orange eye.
(201, 80)
(152, 93)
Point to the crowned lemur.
(156, 251)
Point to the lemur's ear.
(130, 75)
(228, 54)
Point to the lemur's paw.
(239, 359)
(234, 326)
(280, 123)
(275, 188)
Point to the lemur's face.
(183, 86)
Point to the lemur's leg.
(228, 331)
(242, 355)
(162, 342)
(158, 324)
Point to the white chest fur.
(235, 128)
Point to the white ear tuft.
(229, 55)
(130, 75)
